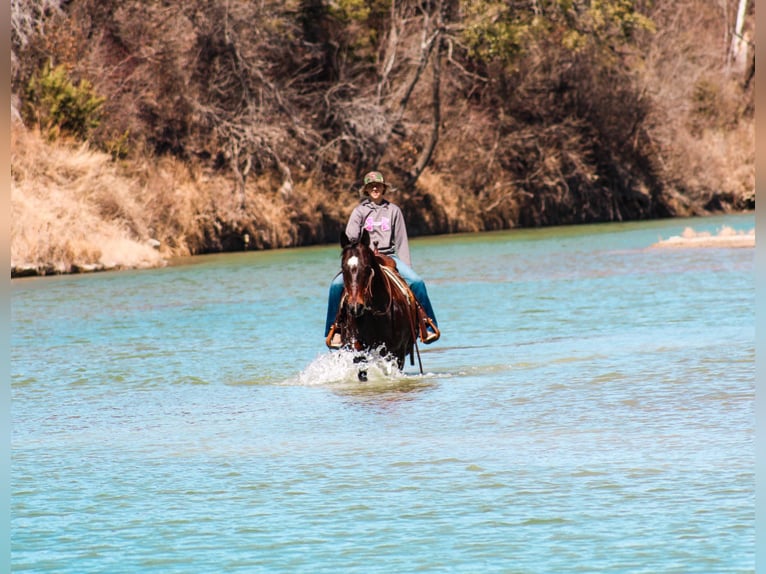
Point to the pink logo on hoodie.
(384, 224)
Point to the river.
(589, 408)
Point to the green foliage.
(350, 10)
(495, 31)
(613, 23)
(706, 98)
(118, 147)
(58, 106)
(711, 108)
(362, 23)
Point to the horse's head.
(359, 268)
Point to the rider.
(385, 223)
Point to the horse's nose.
(356, 308)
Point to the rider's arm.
(401, 243)
(354, 225)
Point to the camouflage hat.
(374, 177)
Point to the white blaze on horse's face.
(354, 290)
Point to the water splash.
(343, 366)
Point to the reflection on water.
(589, 407)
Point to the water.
(589, 408)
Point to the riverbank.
(76, 210)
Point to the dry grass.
(442, 205)
(705, 138)
(72, 211)
(719, 161)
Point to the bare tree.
(738, 50)
(439, 41)
(28, 20)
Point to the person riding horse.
(385, 224)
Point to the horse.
(377, 310)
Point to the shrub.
(58, 106)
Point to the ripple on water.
(580, 413)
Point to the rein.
(386, 286)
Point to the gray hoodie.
(385, 223)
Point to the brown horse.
(378, 310)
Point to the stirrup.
(429, 332)
(431, 336)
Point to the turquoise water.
(589, 408)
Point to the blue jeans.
(408, 273)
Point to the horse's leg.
(362, 373)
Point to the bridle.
(367, 291)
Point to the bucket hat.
(375, 177)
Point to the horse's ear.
(344, 240)
(365, 239)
